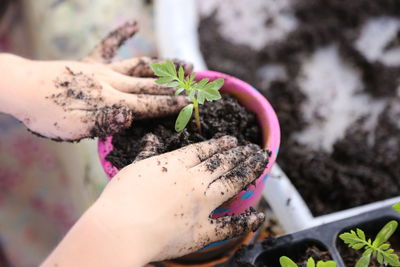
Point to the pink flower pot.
(250, 98)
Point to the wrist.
(13, 74)
(93, 242)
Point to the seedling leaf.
(170, 67)
(181, 73)
(287, 262)
(310, 262)
(183, 118)
(396, 207)
(392, 260)
(202, 83)
(192, 76)
(364, 260)
(174, 84)
(379, 248)
(179, 91)
(197, 92)
(200, 97)
(217, 84)
(326, 264)
(164, 80)
(354, 240)
(160, 70)
(385, 233)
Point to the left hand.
(71, 100)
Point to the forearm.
(13, 74)
(91, 243)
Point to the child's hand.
(71, 100)
(159, 208)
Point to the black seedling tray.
(325, 237)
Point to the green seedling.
(197, 92)
(396, 207)
(379, 248)
(287, 262)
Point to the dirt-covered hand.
(159, 208)
(71, 100)
(177, 192)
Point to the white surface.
(286, 202)
(375, 35)
(244, 23)
(330, 114)
(271, 72)
(176, 31)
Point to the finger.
(232, 226)
(140, 66)
(109, 120)
(193, 154)
(107, 49)
(146, 106)
(136, 85)
(226, 186)
(221, 163)
(150, 147)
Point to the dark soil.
(298, 252)
(218, 118)
(314, 252)
(355, 173)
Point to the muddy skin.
(327, 182)
(77, 89)
(230, 226)
(223, 117)
(233, 156)
(76, 86)
(109, 46)
(245, 173)
(236, 225)
(213, 164)
(53, 139)
(110, 120)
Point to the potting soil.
(218, 118)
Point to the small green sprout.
(287, 262)
(379, 248)
(396, 207)
(197, 92)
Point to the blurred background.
(329, 68)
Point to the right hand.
(159, 208)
